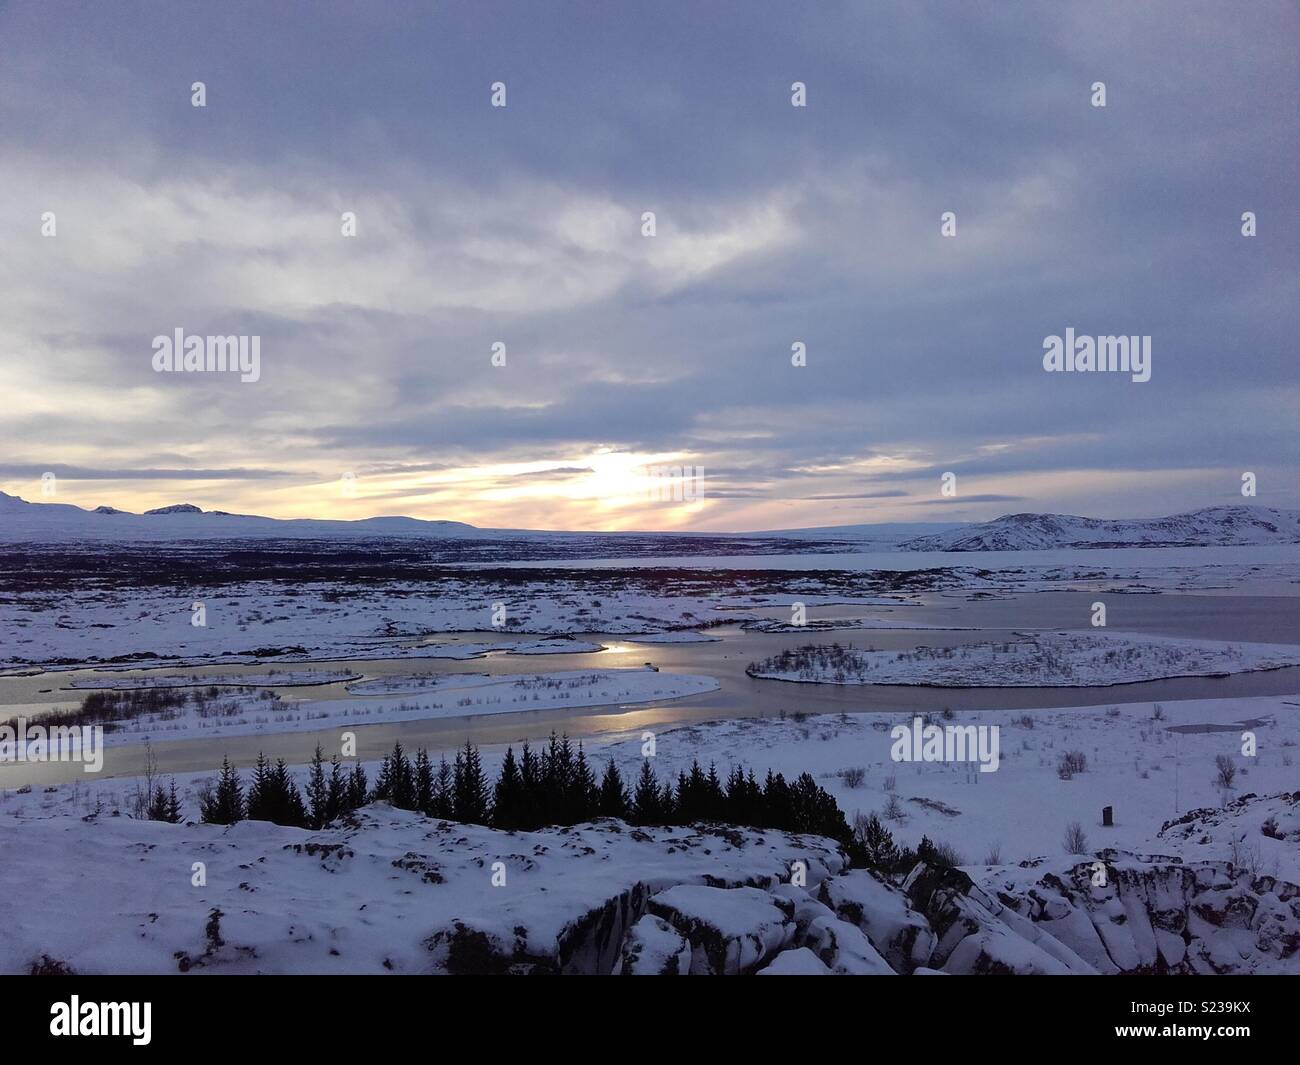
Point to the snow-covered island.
(169, 713)
(1040, 660)
(272, 678)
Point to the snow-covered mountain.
(883, 533)
(1209, 527)
(27, 522)
(21, 521)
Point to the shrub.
(894, 809)
(1075, 841)
(1071, 762)
(853, 777)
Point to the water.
(1238, 618)
(1285, 557)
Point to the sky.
(629, 355)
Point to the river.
(1267, 619)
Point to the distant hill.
(884, 533)
(1212, 526)
(54, 522)
(25, 522)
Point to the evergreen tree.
(172, 810)
(581, 796)
(879, 851)
(667, 806)
(532, 789)
(683, 802)
(742, 799)
(383, 781)
(755, 792)
(508, 796)
(357, 790)
(224, 806)
(930, 854)
(274, 796)
(712, 799)
(260, 806)
(317, 791)
(557, 772)
(336, 796)
(646, 807)
(287, 799)
(424, 783)
(696, 800)
(469, 787)
(156, 809)
(778, 808)
(612, 800)
(402, 780)
(444, 801)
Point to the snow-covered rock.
(654, 948)
(390, 891)
(972, 937)
(1126, 912)
(731, 930)
(844, 949)
(798, 962)
(383, 891)
(900, 934)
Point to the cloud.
(85, 473)
(775, 225)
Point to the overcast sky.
(774, 225)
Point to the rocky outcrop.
(731, 930)
(654, 948)
(901, 935)
(390, 891)
(1127, 913)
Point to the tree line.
(553, 785)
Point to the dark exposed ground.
(54, 568)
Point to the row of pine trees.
(555, 785)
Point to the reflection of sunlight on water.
(620, 649)
(631, 720)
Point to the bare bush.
(1225, 771)
(1071, 762)
(1076, 840)
(854, 776)
(948, 855)
(894, 809)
